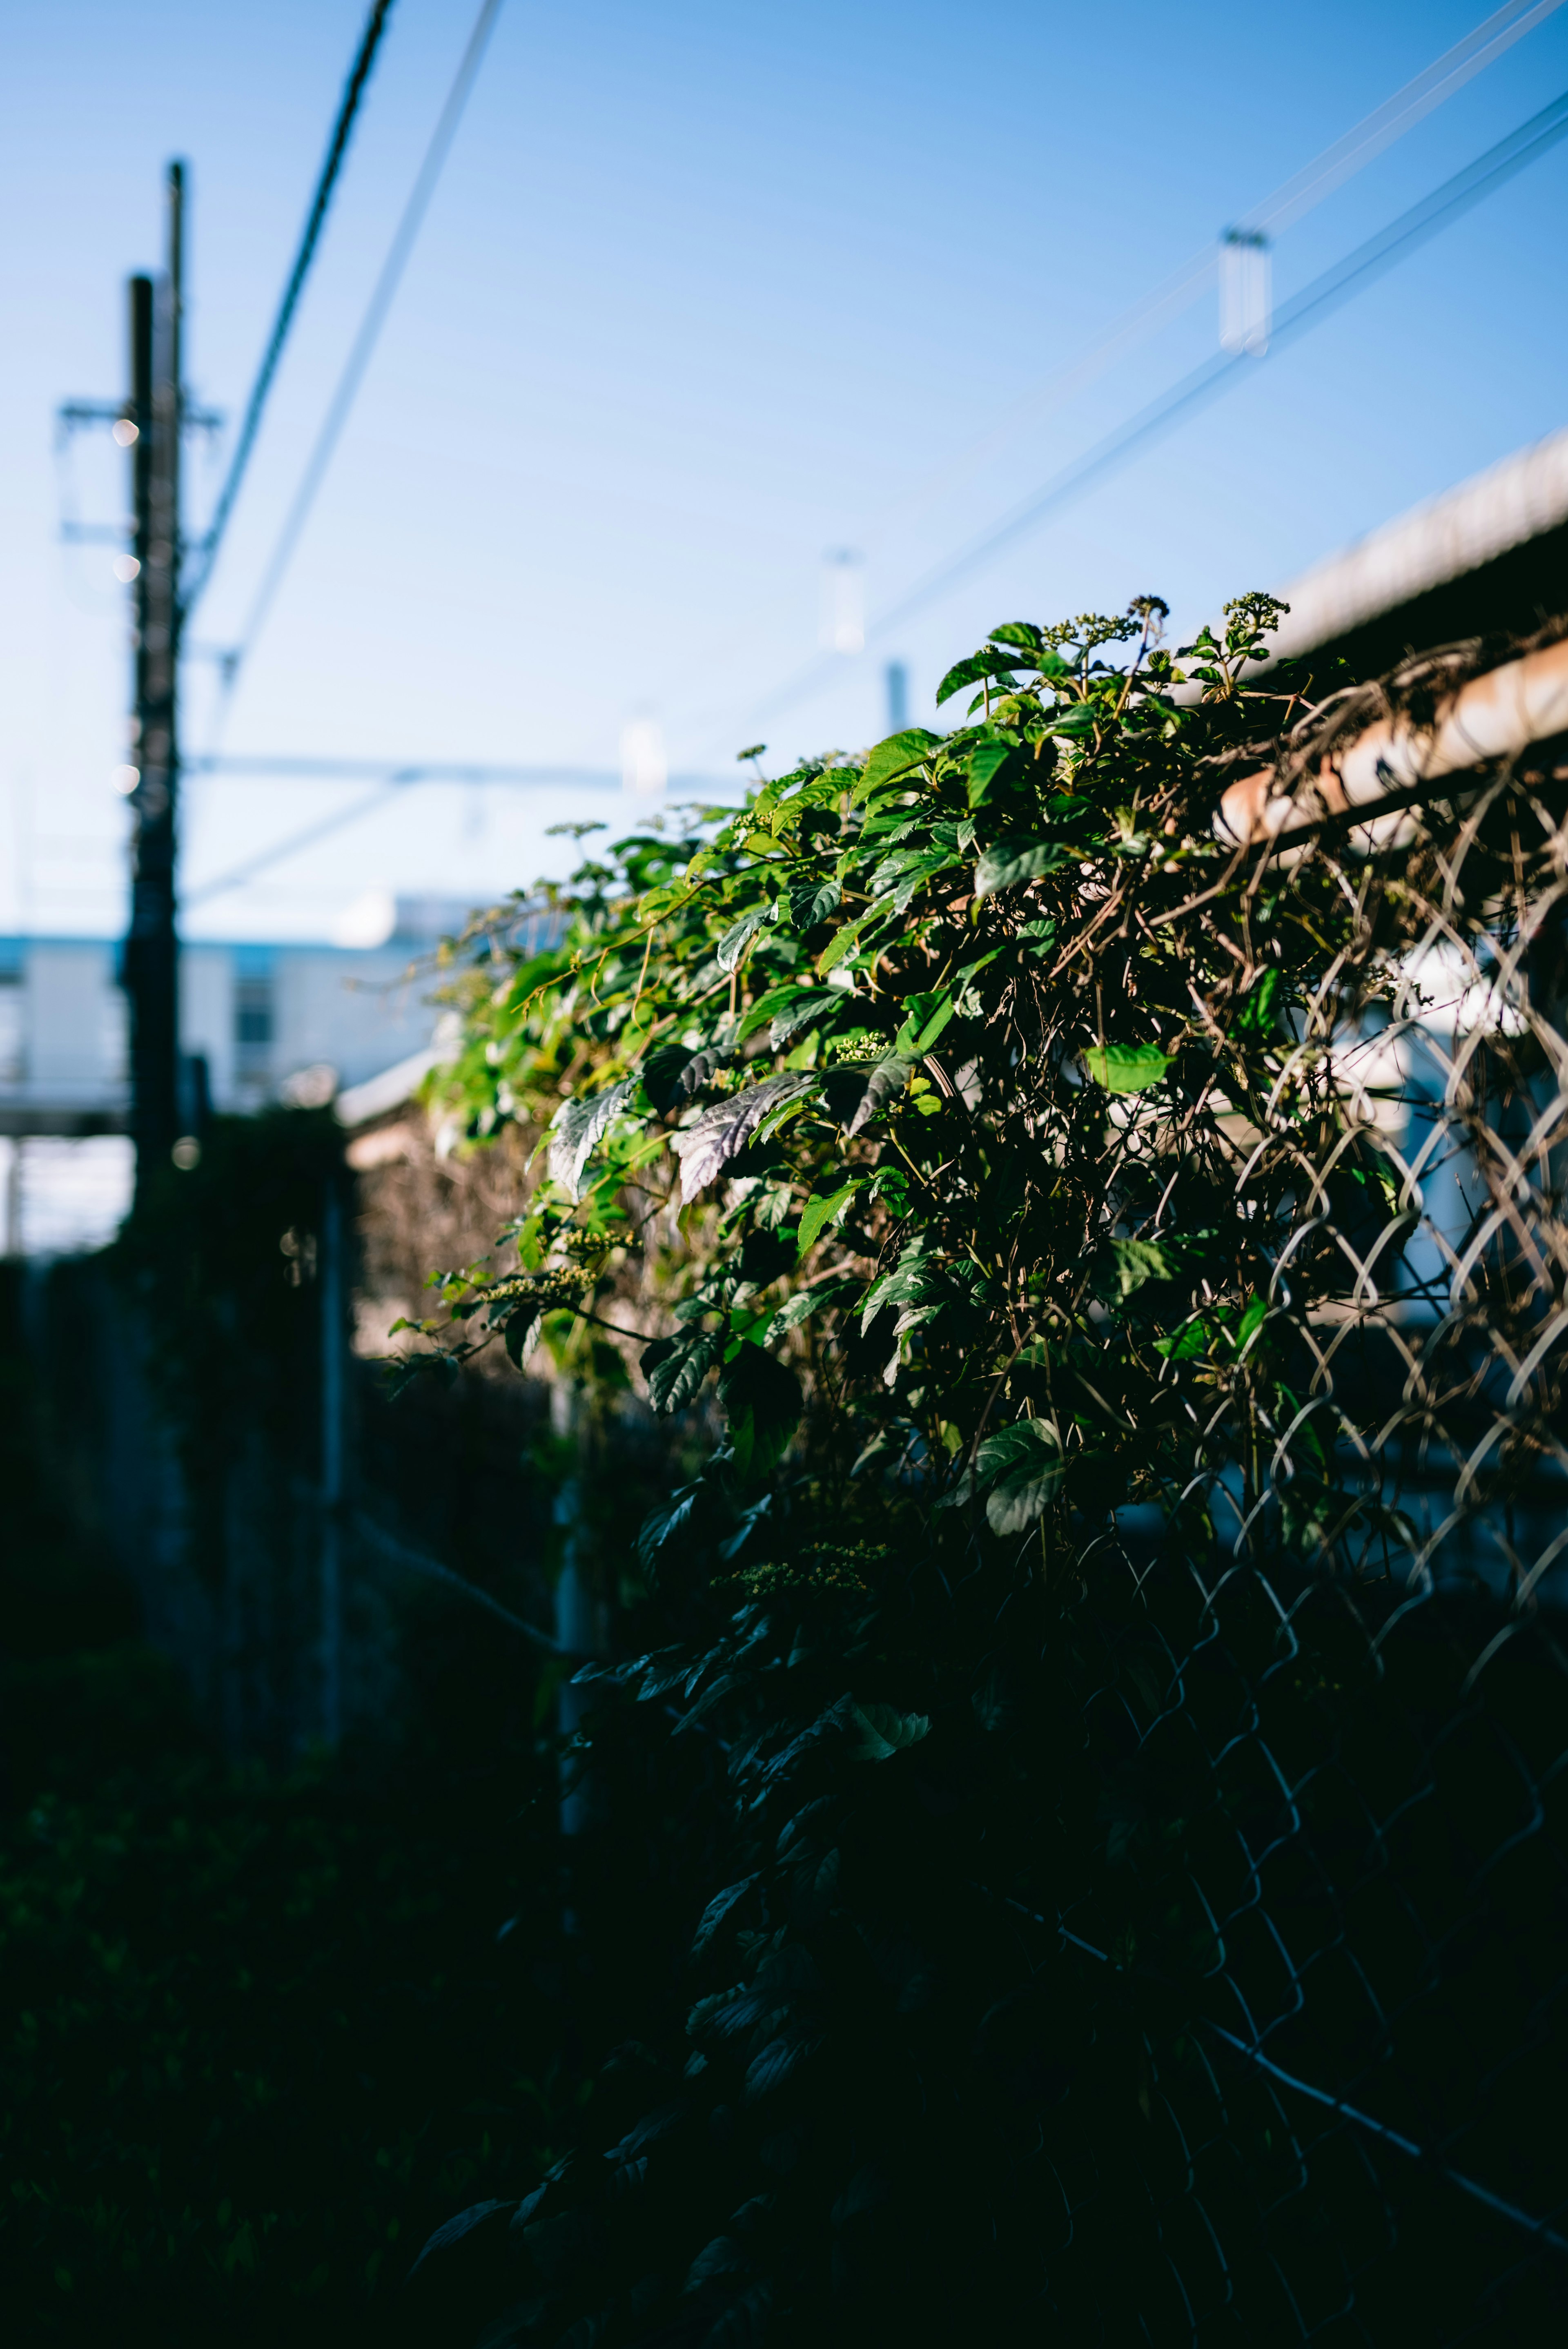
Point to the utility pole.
(151, 950)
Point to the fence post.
(334, 1381)
(574, 1612)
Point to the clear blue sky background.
(704, 291)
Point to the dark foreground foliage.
(258, 2029)
(262, 2026)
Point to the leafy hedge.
(969, 1115)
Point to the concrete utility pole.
(151, 948)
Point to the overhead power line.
(1414, 227)
(337, 148)
(388, 780)
(289, 767)
(365, 341)
(1196, 278)
(238, 874)
(1389, 121)
(1176, 293)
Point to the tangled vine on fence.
(1132, 1268)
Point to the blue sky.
(705, 292)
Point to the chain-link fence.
(1329, 1912)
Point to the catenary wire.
(1328, 171)
(1335, 285)
(249, 867)
(365, 341)
(391, 781)
(337, 149)
(1288, 203)
(1175, 295)
(1413, 227)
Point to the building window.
(12, 1024)
(254, 1027)
(114, 1037)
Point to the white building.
(272, 1023)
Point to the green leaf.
(858, 1095)
(928, 1016)
(1028, 637)
(1023, 1465)
(661, 1524)
(800, 1308)
(971, 671)
(900, 878)
(674, 1073)
(991, 758)
(822, 1006)
(519, 1331)
(577, 1127)
(844, 941)
(763, 1009)
(721, 1133)
(1252, 1320)
(811, 902)
(762, 1403)
(1017, 860)
(456, 2229)
(1079, 719)
(1188, 1344)
(877, 1732)
(790, 1009)
(1138, 1262)
(675, 1368)
(1127, 1068)
(819, 1212)
(739, 935)
(718, 1909)
(774, 2064)
(898, 755)
(912, 1281)
(723, 2256)
(1255, 1016)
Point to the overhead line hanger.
(1423, 220)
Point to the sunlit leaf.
(1023, 1467)
(675, 1368)
(577, 1127)
(1127, 1068)
(928, 1016)
(1138, 1262)
(705, 1149)
(825, 1210)
(739, 935)
(898, 755)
